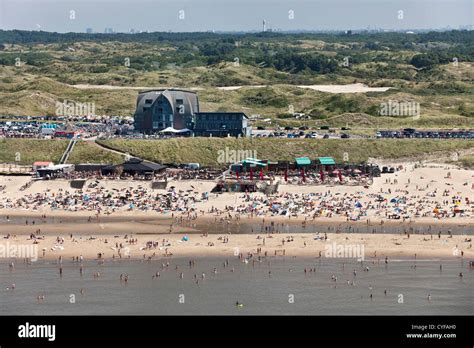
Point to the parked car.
(345, 136)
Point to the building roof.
(56, 167)
(221, 113)
(167, 89)
(253, 161)
(137, 165)
(326, 160)
(40, 163)
(303, 161)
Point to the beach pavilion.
(134, 166)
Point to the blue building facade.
(221, 124)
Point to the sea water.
(274, 286)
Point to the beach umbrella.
(185, 238)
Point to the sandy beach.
(375, 246)
(97, 227)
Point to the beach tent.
(253, 162)
(326, 160)
(358, 205)
(175, 131)
(303, 161)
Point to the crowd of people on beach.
(392, 201)
(166, 175)
(351, 206)
(386, 204)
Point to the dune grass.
(27, 151)
(206, 151)
(86, 152)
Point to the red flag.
(321, 174)
(302, 175)
(339, 174)
(251, 174)
(286, 174)
(261, 174)
(237, 174)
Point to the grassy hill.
(206, 150)
(51, 68)
(27, 151)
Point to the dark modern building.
(160, 109)
(179, 109)
(221, 124)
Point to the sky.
(234, 15)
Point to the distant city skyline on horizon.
(125, 16)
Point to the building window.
(155, 125)
(179, 101)
(148, 101)
(145, 109)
